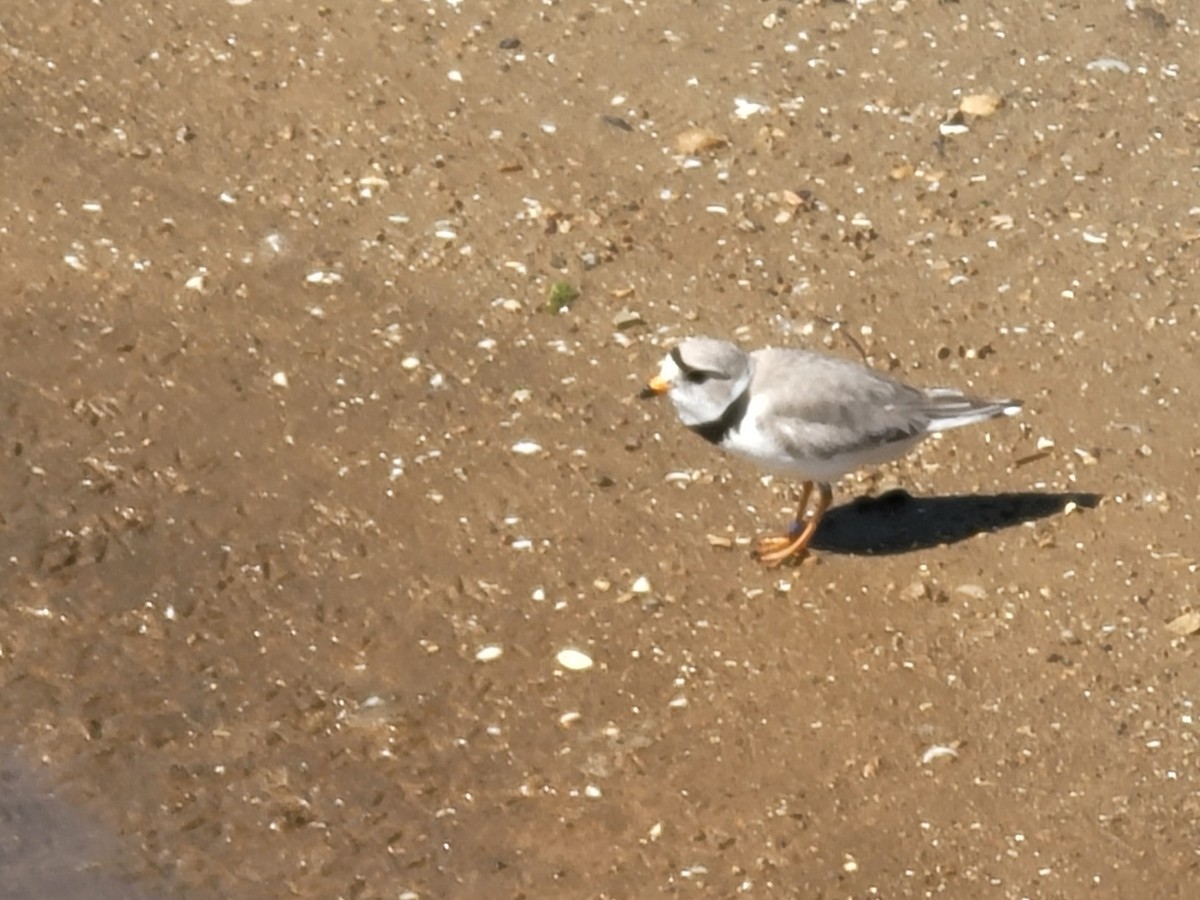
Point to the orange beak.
(658, 385)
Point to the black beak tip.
(647, 393)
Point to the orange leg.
(775, 549)
(772, 542)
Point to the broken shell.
(938, 751)
(980, 104)
(526, 448)
(1188, 623)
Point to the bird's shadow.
(897, 522)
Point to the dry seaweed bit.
(562, 295)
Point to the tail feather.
(948, 408)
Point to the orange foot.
(775, 549)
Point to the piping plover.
(803, 414)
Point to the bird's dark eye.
(698, 376)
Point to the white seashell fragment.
(575, 660)
(936, 752)
(1109, 64)
(319, 277)
(744, 109)
(280, 379)
(489, 653)
(526, 448)
(641, 585)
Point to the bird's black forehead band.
(692, 370)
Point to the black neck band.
(718, 429)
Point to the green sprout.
(562, 295)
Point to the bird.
(806, 415)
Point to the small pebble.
(575, 660)
(916, 591)
(489, 653)
(627, 318)
(980, 104)
(952, 128)
(280, 379)
(641, 585)
(698, 140)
